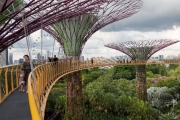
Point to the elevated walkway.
(22, 106)
(15, 107)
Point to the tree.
(127, 72)
(157, 69)
(172, 66)
(176, 72)
(149, 74)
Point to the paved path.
(15, 107)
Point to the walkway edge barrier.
(32, 104)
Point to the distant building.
(82, 58)
(161, 57)
(48, 54)
(21, 60)
(16, 62)
(34, 60)
(38, 56)
(10, 58)
(4, 58)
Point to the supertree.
(35, 14)
(141, 51)
(73, 34)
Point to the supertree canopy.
(141, 51)
(36, 14)
(6, 7)
(73, 33)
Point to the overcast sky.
(158, 19)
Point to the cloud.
(155, 15)
(158, 19)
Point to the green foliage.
(177, 71)
(176, 110)
(60, 103)
(149, 74)
(159, 97)
(157, 69)
(106, 98)
(94, 114)
(167, 83)
(135, 109)
(172, 66)
(168, 116)
(57, 92)
(114, 97)
(126, 72)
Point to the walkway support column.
(74, 107)
(141, 82)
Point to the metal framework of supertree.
(74, 32)
(37, 14)
(141, 51)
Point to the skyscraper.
(48, 54)
(15, 61)
(4, 58)
(10, 58)
(82, 58)
(21, 60)
(161, 57)
(38, 56)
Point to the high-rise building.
(10, 58)
(48, 54)
(16, 62)
(38, 56)
(21, 60)
(4, 58)
(161, 57)
(82, 58)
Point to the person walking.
(27, 69)
(55, 59)
(92, 61)
(21, 81)
(49, 59)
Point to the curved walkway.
(15, 107)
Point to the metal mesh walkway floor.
(15, 107)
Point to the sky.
(157, 19)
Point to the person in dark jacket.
(26, 68)
(49, 59)
(55, 59)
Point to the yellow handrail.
(48, 74)
(7, 81)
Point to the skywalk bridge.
(15, 105)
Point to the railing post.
(17, 80)
(12, 82)
(6, 81)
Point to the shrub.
(168, 83)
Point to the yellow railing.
(45, 76)
(9, 80)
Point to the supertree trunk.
(141, 82)
(74, 105)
